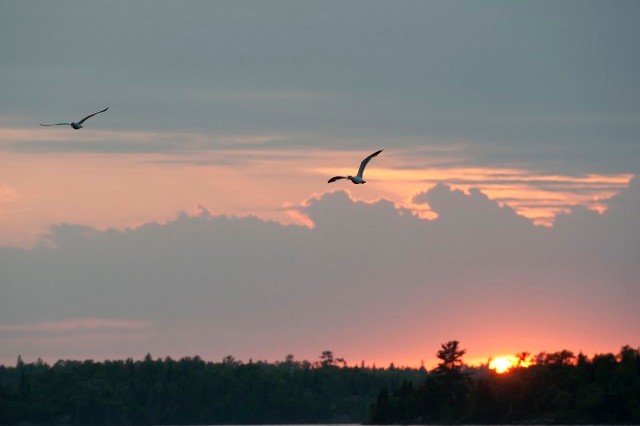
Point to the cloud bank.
(369, 280)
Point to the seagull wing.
(91, 115)
(57, 124)
(335, 178)
(365, 162)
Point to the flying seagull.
(76, 124)
(358, 178)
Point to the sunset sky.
(194, 216)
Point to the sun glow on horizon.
(502, 364)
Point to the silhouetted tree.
(451, 357)
(448, 385)
(327, 359)
(523, 359)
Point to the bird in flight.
(358, 178)
(76, 124)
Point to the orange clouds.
(535, 195)
(156, 175)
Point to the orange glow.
(502, 364)
(124, 189)
(539, 198)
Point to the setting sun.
(502, 364)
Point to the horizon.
(343, 363)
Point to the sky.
(194, 216)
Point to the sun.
(502, 364)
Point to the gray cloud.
(217, 285)
(60, 141)
(550, 84)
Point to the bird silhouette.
(76, 124)
(357, 179)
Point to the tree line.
(550, 388)
(192, 391)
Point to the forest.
(549, 388)
(192, 391)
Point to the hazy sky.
(194, 216)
